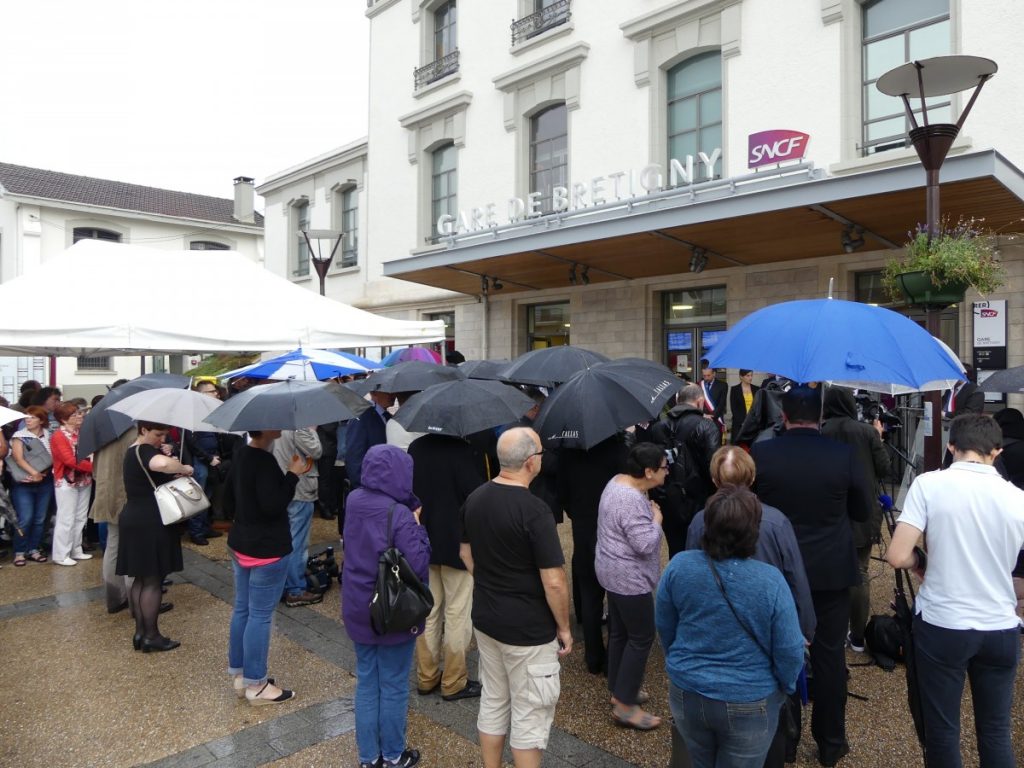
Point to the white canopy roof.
(112, 298)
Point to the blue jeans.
(300, 517)
(725, 734)
(989, 659)
(198, 524)
(31, 502)
(382, 699)
(257, 592)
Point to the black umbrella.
(599, 401)
(463, 407)
(412, 376)
(487, 370)
(1010, 380)
(360, 386)
(291, 404)
(550, 366)
(103, 426)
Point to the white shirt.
(974, 523)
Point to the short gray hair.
(691, 393)
(515, 446)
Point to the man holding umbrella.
(966, 624)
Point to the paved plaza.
(76, 694)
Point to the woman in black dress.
(148, 550)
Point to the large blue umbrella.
(845, 342)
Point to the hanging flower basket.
(936, 271)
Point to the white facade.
(796, 66)
(34, 229)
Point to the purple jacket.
(386, 480)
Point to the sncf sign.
(770, 147)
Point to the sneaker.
(302, 598)
(407, 759)
(65, 561)
(82, 556)
(856, 643)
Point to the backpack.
(885, 641)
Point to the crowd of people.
(770, 524)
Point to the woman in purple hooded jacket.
(383, 662)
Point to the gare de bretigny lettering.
(621, 185)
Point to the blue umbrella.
(306, 364)
(844, 342)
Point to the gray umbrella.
(551, 366)
(463, 407)
(412, 376)
(1010, 380)
(103, 426)
(484, 369)
(291, 404)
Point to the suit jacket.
(738, 409)
(818, 484)
(720, 396)
(968, 399)
(362, 434)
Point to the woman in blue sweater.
(733, 646)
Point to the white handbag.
(177, 500)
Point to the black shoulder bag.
(400, 600)
(788, 717)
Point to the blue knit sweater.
(706, 650)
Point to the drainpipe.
(484, 343)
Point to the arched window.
(549, 153)
(695, 108)
(896, 32)
(94, 233)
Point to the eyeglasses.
(663, 468)
(538, 453)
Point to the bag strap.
(391, 511)
(146, 471)
(721, 586)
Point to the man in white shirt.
(966, 622)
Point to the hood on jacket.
(839, 402)
(682, 409)
(1012, 423)
(387, 469)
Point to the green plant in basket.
(958, 256)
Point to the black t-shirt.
(512, 535)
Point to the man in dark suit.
(716, 394)
(818, 484)
(365, 432)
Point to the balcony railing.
(435, 70)
(546, 18)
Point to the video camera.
(869, 409)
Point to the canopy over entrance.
(799, 215)
(112, 298)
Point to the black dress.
(147, 547)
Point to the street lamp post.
(925, 79)
(321, 263)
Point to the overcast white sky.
(182, 94)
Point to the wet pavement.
(76, 694)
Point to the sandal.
(642, 697)
(19, 561)
(634, 717)
(37, 557)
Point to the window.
(543, 15)
(448, 345)
(693, 321)
(547, 325)
(94, 363)
(207, 245)
(694, 89)
(896, 32)
(93, 233)
(349, 227)
(442, 46)
(549, 153)
(300, 212)
(443, 186)
(867, 288)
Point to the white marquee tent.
(112, 298)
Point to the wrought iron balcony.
(435, 70)
(546, 18)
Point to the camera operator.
(841, 424)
